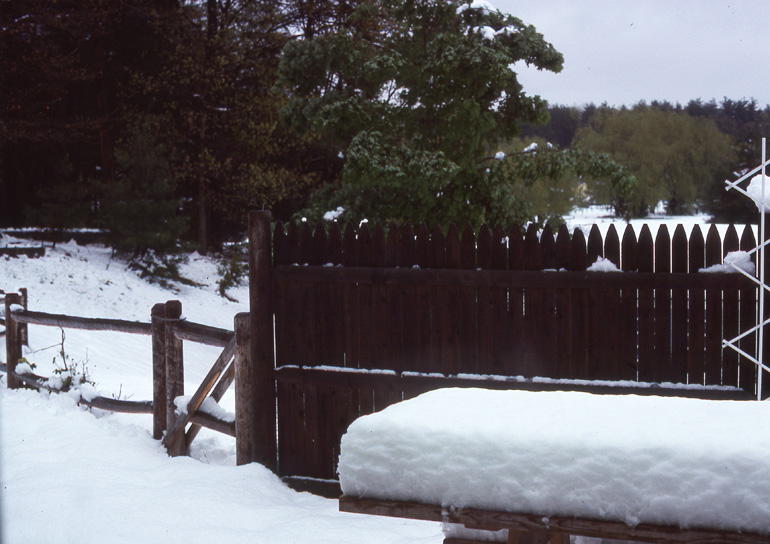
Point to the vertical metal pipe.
(761, 263)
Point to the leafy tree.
(415, 94)
(673, 155)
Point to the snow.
(755, 193)
(603, 217)
(208, 406)
(661, 460)
(734, 261)
(487, 32)
(74, 475)
(603, 265)
(482, 5)
(333, 215)
(531, 148)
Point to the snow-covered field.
(71, 475)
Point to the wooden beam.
(176, 431)
(83, 323)
(262, 352)
(357, 378)
(158, 326)
(102, 403)
(12, 340)
(174, 357)
(494, 521)
(31, 252)
(542, 279)
(202, 334)
(244, 392)
(202, 419)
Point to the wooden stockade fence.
(366, 317)
(168, 331)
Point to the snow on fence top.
(667, 461)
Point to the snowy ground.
(70, 475)
(585, 218)
(75, 476)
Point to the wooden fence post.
(158, 322)
(12, 341)
(244, 391)
(262, 352)
(23, 327)
(174, 370)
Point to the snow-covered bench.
(545, 465)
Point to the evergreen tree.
(61, 68)
(217, 115)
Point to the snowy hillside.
(70, 475)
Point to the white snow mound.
(734, 261)
(603, 265)
(754, 190)
(668, 461)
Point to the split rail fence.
(168, 330)
(367, 317)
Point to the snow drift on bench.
(669, 461)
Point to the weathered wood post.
(174, 370)
(244, 391)
(12, 341)
(23, 327)
(262, 356)
(158, 322)
(167, 365)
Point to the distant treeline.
(680, 154)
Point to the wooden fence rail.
(368, 316)
(168, 331)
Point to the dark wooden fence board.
(646, 339)
(661, 367)
(562, 310)
(697, 307)
(748, 318)
(629, 309)
(677, 371)
(730, 315)
(713, 351)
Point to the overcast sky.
(624, 51)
